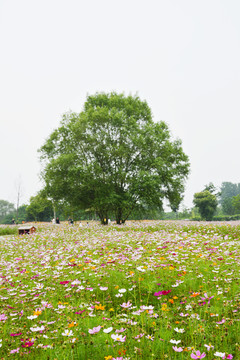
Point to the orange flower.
(195, 294)
(37, 312)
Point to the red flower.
(64, 282)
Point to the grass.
(8, 230)
(146, 290)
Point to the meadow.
(144, 290)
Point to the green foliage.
(226, 217)
(236, 203)
(227, 192)
(112, 158)
(39, 209)
(206, 203)
(8, 230)
(9, 214)
(5, 208)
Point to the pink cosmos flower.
(221, 322)
(3, 317)
(198, 355)
(175, 348)
(14, 351)
(95, 330)
(64, 282)
(126, 305)
(120, 331)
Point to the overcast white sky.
(181, 56)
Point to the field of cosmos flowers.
(143, 290)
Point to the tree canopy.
(113, 158)
(206, 203)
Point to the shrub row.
(226, 217)
(8, 230)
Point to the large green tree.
(39, 209)
(206, 202)
(112, 158)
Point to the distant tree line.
(213, 204)
(209, 204)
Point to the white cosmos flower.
(222, 355)
(103, 288)
(122, 291)
(37, 328)
(119, 295)
(81, 287)
(67, 333)
(108, 330)
(140, 268)
(179, 330)
(31, 317)
(39, 286)
(117, 337)
(175, 341)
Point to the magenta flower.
(80, 312)
(163, 292)
(27, 344)
(204, 299)
(16, 334)
(198, 355)
(64, 282)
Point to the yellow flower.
(111, 309)
(100, 307)
(109, 357)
